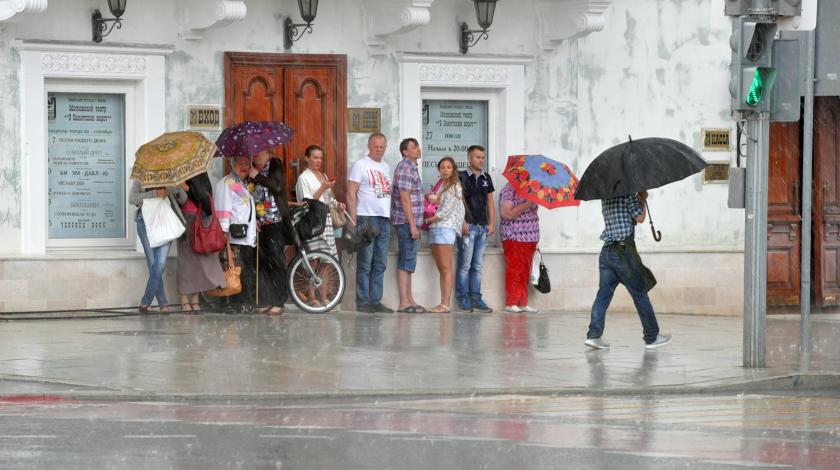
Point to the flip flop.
(412, 309)
(440, 309)
(186, 308)
(196, 307)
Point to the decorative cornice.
(83, 63)
(198, 16)
(560, 20)
(385, 18)
(468, 74)
(15, 10)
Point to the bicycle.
(313, 275)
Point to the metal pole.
(807, 189)
(755, 249)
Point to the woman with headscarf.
(269, 176)
(235, 206)
(197, 272)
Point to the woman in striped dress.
(314, 184)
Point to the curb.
(786, 383)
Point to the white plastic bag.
(162, 224)
(535, 268)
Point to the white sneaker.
(597, 343)
(512, 309)
(528, 309)
(660, 341)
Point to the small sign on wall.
(204, 117)
(716, 172)
(716, 140)
(364, 120)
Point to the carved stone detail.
(199, 16)
(15, 10)
(94, 63)
(463, 73)
(559, 20)
(385, 18)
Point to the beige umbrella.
(172, 158)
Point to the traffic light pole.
(755, 249)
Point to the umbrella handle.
(657, 235)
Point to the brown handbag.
(232, 279)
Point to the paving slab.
(347, 354)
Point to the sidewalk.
(348, 354)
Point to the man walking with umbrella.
(620, 177)
(619, 263)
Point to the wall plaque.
(364, 120)
(204, 117)
(86, 165)
(716, 140)
(716, 172)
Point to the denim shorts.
(407, 248)
(442, 236)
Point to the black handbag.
(354, 239)
(241, 230)
(543, 284)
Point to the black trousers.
(273, 285)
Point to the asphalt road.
(501, 432)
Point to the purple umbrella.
(249, 138)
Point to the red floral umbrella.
(542, 180)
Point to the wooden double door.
(308, 92)
(785, 206)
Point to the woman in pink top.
(520, 231)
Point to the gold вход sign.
(364, 120)
(204, 117)
(716, 140)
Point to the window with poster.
(88, 166)
(450, 127)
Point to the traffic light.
(751, 73)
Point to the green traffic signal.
(762, 82)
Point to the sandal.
(164, 310)
(275, 310)
(440, 309)
(196, 307)
(186, 308)
(147, 309)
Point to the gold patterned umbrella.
(172, 158)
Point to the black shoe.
(365, 308)
(379, 308)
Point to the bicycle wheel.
(322, 292)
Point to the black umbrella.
(636, 166)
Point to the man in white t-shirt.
(369, 203)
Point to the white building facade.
(564, 78)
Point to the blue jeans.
(372, 260)
(613, 270)
(470, 260)
(156, 260)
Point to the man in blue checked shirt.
(620, 263)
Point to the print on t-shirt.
(380, 183)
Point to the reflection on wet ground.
(685, 431)
(355, 353)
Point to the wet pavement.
(500, 432)
(361, 354)
(104, 389)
